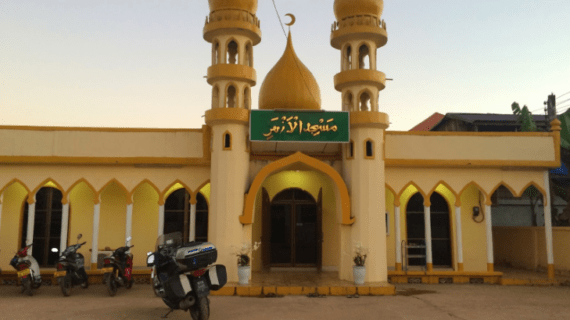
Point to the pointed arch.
(396, 200)
(231, 97)
(247, 98)
(167, 192)
(348, 101)
(215, 52)
(540, 189)
(472, 183)
(15, 180)
(513, 192)
(298, 157)
(249, 54)
(121, 186)
(89, 185)
(347, 57)
(441, 182)
(412, 183)
(368, 99)
(195, 193)
(57, 186)
(160, 199)
(232, 53)
(215, 97)
(364, 51)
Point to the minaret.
(358, 33)
(233, 29)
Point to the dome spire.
(290, 84)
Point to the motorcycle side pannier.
(196, 255)
(217, 277)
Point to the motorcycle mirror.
(150, 259)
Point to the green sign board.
(300, 126)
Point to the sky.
(141, 63)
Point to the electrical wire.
(563, 94)
(562, 111)
(561, 102)
(279, 17)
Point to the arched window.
(177, 215)
(348, 102)
(369, 149)
(232, 52)
(215, 97)
(247, 98)
(364, 57)
(364, 101)
(47, 226)
(249, 55)
(215, 53)
(348, 58)
(201, 218)
(227, 141)
(231, 103)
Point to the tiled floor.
(514, 273)
(300, 279)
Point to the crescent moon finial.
(293, 19)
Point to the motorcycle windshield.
(169, 239)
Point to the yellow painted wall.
(83, 143)
(311, 182)
(145, 223)
(525, 247)
(81, 218)
(476, 146)
(11, 228)
(391, 237)
(113, 217)
(474, 236)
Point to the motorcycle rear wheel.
(65, 284)
(27, 286)
(112, 285)
(129, 283)
(201, 309)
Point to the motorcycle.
(71, 269)
(28, 270)
(118, 269)
(184, 274)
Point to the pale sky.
(141, 63)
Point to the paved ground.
(412, 302)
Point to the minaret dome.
(349, 8)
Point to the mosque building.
(309, 184)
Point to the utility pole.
(550, 110)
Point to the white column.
(192, 222)
(95, 241)
(427, 223)
(31, 218)
(489, 229)
(398, 236)
(129, 228)
(459, 234)
(160, 220)
(64, 225)
(548, 227)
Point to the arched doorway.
(440, 230)
(47, 226)
(177, 215)
(293, 227)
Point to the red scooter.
(28, 270)
(118, 269)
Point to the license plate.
(24, 272)
(58, 274)
(201, 287)
(107, 270)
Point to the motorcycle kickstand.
(166, 315)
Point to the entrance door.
(440, 232)
(294, 230)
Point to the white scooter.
(28, 270)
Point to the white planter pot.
(243, 274)
(359, 273)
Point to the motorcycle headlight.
(150, 259)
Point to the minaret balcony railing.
(360, 77)
(359, 27)
(232, 72)
(242, 21)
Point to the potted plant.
(244, 268)
(359, 270)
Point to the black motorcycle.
(70, 269)
(184, 274)
(118, 269)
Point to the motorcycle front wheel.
(201, 309)
(65, 284)
(112, 285)
(27, 285)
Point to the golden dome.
(348, 8)
(290, 85)
(247, 5)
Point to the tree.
(528, 125)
